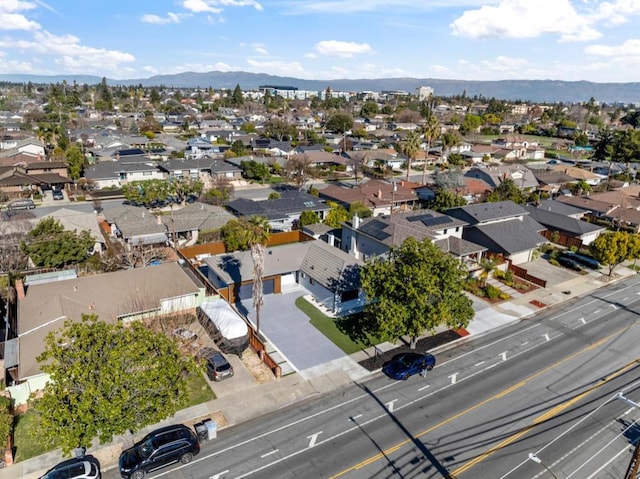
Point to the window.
(147, 173)
(349, 295)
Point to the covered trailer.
(225, 326)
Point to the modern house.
(331, 275)
(565, 225)
(375, 236)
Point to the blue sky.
(315, 39)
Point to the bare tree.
(299, 170)
(138, 256)
(11, 256)
(358, 161)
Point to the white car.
(78, 468)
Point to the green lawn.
(198, 391)
(343, 332)
(28, 438)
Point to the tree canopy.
(415, 289)
(241, 234)
(446, 199)
(507, 190)
(339, 122)
(107, 379)
(614, 247)
(51, 246)
(336, 215)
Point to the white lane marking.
(583, 321)
(525, 343)
(390, 405)
(313, 438)
(613, 306)
(546, 336)
(625, 298)
(269, 453)
(479, 364)
(453, 378)
(423, 388)
(219, 475)
(503, 356)
(597, 310)
(353, 418)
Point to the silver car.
(78, 468)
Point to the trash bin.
(212, 429)
(201, 431)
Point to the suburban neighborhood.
(288, 234)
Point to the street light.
(537, 460)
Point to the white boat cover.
(228, 322)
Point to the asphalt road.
(545, 385)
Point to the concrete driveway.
(289, 329)
(541, 268)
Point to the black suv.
(158, 449)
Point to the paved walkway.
(316, 379)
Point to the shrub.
(546, 248)
(573, 249)
(493, 292)
(554, 262)
(504, 296)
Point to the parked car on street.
(77, 468)
(405, 365)
(158, 449)
(217, 366)
(26, 204)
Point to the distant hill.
(526, 90)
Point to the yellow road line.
(499, 395)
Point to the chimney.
(331, 239)
(20, 289)
(380, 194)
(356, 222)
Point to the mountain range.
(548, 91)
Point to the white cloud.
(201, 68)
(16, 6)
(310, 55)
(215, 6)
(158, 20)
(358, 6)
(70, 52)
(617, 12)
(277, 67)
(15, 21)
(336, 48)
(630, 48)
(526, 19)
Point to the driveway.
(542, 269)
(289, 329)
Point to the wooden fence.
(562, 239)
(522, 273)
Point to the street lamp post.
(537, 460)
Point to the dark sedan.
(407, 364)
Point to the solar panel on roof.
(438, 220)
(376, 229)
(411, 219)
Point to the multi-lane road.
(544, 386)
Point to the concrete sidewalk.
(312, 382)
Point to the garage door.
(246, 290)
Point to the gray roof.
(134, 221)
(483, 212)
(392, 230)
(200, 164)
(327, 265)
(557, 221)
(109, 295)
(112, 169)
(458, 246)
(291, 203)
(197, 216)
(560, 207)
(507, 237)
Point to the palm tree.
(449, 140)
(410, 147)
(431, 132)
(487, 266)
(258, 233)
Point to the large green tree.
(415, 289)
(339, 122)
(614, 247)
(107, 380)
(446, 199)
(507, 190)
(75, 161)
(49, 245)
(336, 215)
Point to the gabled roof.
(291, 203)
(560, 208)
(372, 194)
(134, 221)
(112, 169)
(557, 221)
(507, 237)
(392, 230)
(332, 268)
(485, 212)
(197, 216)
(109, 295)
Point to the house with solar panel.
(368, 237)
